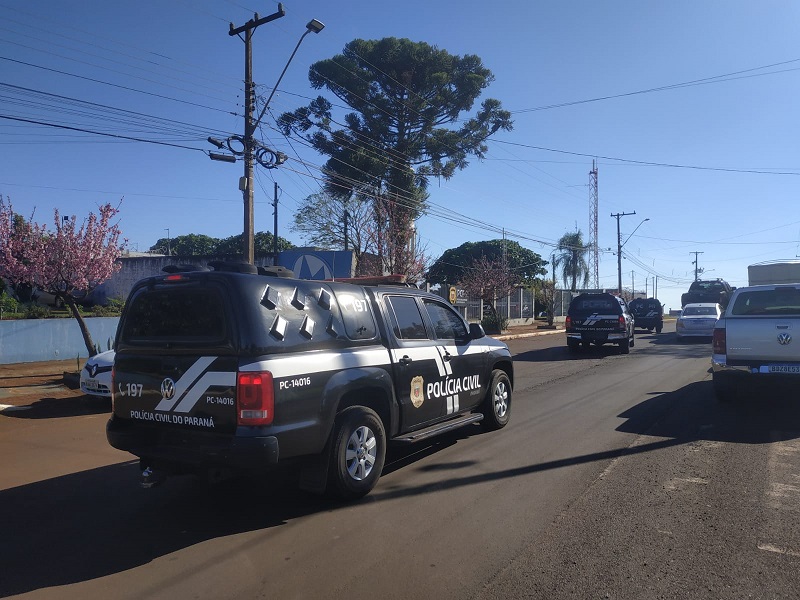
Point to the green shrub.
(112, 309)
(35, 311)
(8, 304)
(494, 323)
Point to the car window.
(356, 315)
(407, 322)
(602, 304)
(192, 315)
(780, 301)
(695, 311)
(446, 323)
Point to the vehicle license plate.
(791, 369)
(91, 384)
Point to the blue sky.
(712, 164)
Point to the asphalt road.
(618, 477)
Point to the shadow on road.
(766, 414)
(95, 523)
(98, 522)
(58, 408)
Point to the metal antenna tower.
(594, 258)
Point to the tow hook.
(151, 479)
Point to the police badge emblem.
(417, 385)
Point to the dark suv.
(599, 319)
(648, 313)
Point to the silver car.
(697, 320)
(96, 375)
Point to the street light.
(634, 231)
(312, 26)
(619, 251)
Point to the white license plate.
(790, 369)
(91, 384)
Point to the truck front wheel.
(358, 451)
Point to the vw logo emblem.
(167, 389)
(784, 339)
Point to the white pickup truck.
(757, 339)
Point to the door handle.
(406, 360)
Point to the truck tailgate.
(756, 340)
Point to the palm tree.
(571, 258)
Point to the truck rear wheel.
(358, 451)
(625, 346)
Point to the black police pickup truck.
(599, 319)
(220, 371)
(648, 313)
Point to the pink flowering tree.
(67, 261)
(490, 280)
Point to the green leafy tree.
(455, 263)
(186, 245)
(405, 127)
(570, 258)
(262, 243)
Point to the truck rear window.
(180, 315)
(591, 305)
(780, 301)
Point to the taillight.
(719, 341)
(622, 322)
(255, 398)
(568, 322)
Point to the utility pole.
(633, 287)
(346, 216)
(696, 266)
(275, 229)
(246, 183)
(619, 249)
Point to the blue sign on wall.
(317, 264)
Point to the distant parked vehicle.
(96, 375)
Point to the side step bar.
(428, 432)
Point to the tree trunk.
(87, 337)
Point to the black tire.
(659, 327)
(573, 345)
(625, 346)
(633, 339)
(357, 453)
(496, 407)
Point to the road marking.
(777, 550)
(680, 482)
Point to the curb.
(516, 336)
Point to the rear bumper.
(596, 336)
(185, 450)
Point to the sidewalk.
(24, 383)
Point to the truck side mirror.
(476, 331)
